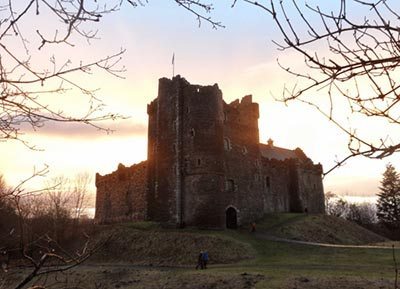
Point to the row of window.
(230, 185)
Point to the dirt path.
(269, 237)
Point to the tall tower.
(185, 154)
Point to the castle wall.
(185, 172)
(206, 166)
(242, 160)
(277, 183)
(152, 184)
(162, 153)
(202, 155)
(311, 191)
(121, 195)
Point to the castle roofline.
(278, 153)
(179, 78)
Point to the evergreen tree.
(388, 206)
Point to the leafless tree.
(330, 199)
(41, 251)
(201, 10)
(27, 82)
(352, 56)
(362, 214)
(338, 208)
(80, 194)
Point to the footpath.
(266, 236)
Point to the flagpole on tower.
(173, 64)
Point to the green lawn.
(266, 264)
(279, 261)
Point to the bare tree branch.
(344, 54)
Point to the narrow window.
(192, 132)
(229, 185)
(225, 116)
(198, 90)
(244, 150)
(198, 162)
(227, 144)
(267, 182)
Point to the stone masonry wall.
(162, 153)
(311, 189)
(121, 195)
(201, 148)
(277, 184)
(185, 151)
(205, 163)
(243, 180)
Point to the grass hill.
(317, 228)
(254, 262)
(147, 243)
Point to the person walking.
(205, 259)
(200, 261)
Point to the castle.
(206, 166)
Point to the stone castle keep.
(206, 166)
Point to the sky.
(241, 58)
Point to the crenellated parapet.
(121, 195)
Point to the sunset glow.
(241, 58)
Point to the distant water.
(360, 199)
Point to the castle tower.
(185, 154)
(206, 166)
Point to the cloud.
(123, 128)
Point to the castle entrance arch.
(231, 218)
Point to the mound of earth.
(323, 229)
(167, 247)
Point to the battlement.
(121, 173)
(243, 111)
(246, 100)
(178, 83)
(121, 195)
(152, 107)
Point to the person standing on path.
(205, 259)
(200, 263)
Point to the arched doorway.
(231, 218)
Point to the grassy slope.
(146, 243)
(317, 228)
(272, 265)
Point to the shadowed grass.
(238, 259)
